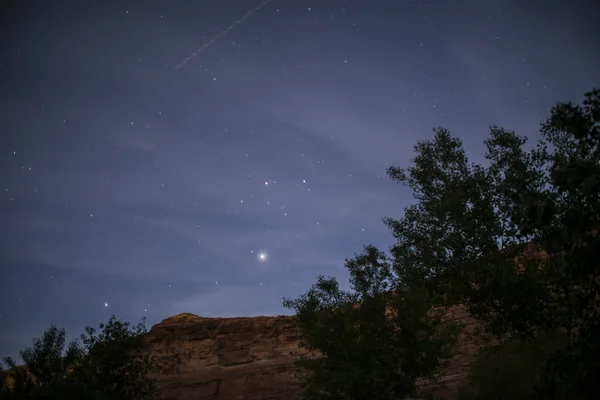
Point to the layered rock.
(254, 358)
(226, 358)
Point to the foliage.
(46, 366)
(574, 198)
(374, 343)
(510, 370)
(514, 240)
(109, 364)
(536, 209)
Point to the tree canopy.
(514, 240)
(107, 364)
(373, 344)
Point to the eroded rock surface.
(253, 358)
(226, 358)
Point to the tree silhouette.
(108, 364)
(374, 344)
(515, 241)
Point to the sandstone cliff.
(253, 358)
(226, 358)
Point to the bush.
(108, 365)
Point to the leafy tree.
(516, 240)
(373, 343)
(46, 367)
(110, 364)
(572, 201)
(117, 363)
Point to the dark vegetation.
(107, 365)
(515, 240)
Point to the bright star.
(262, 256)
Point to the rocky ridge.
(253, 358)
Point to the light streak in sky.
(220, 35)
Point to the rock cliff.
(253, 358)
(225, 358)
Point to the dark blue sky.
(130, 188)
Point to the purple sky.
(129, 188)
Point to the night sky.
(131, 187)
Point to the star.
(183, 193)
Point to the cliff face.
(253, 358)
(226, 358)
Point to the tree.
(515, 241)
(572, 201)
(462, 235)
(109, 364)
(46, 367)
(373, 343)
